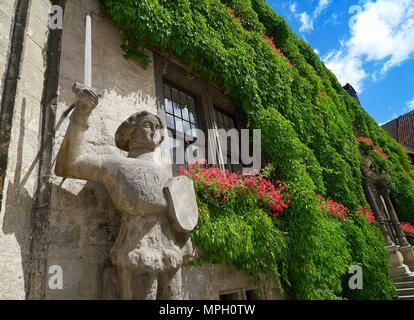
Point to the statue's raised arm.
(74, 159)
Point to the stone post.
(374, 187)
(404, 246)
(398, 268)
(402, 240)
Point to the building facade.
(48, 221)
(402, 130)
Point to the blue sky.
(368, 43)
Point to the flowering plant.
(209, 179)
(378, 149)
(278, 51)
(333, 207)
(408, 229)
(341, 211)
(367, 213)
(232, 12)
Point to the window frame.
(198, 122)
(206, 97)
(232, 167)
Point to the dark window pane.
(175, 95)
(191, 104)
(252, 295)
(230, 296)
(226, 121)
(219, 120)
(183, 99)
(167, 92)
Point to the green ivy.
(308, 137)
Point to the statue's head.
(366, 162)
(141, 130)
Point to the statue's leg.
(169, 285)
(137, 286)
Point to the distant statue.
(378, 196)
(158, 212)
(400, 251)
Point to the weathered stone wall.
(6, 18)
(21, 177)
(209, 281)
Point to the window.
(189, 103)
(229, 148)
(252, 294)
(230, 296)
(181, 118)
(240, 294)
(180, 110)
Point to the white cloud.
(347, 68)
(410, 105)
(383, 33)
(316, 51)
(293, 7)
(307, 22)
(322, 5)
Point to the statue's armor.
(146, 240)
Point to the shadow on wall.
(85, 232)
(18, 205)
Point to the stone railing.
(400, 251)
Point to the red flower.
(335, 208)
(407, 228)
(378, 149)
(368, 214)
(267, 194)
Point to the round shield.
(182, 203)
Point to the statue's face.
(147, 134)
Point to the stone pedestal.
(408, 255)
(398, 268)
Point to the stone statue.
(400, 251)
(156, 220)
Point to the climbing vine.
(309, 126)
